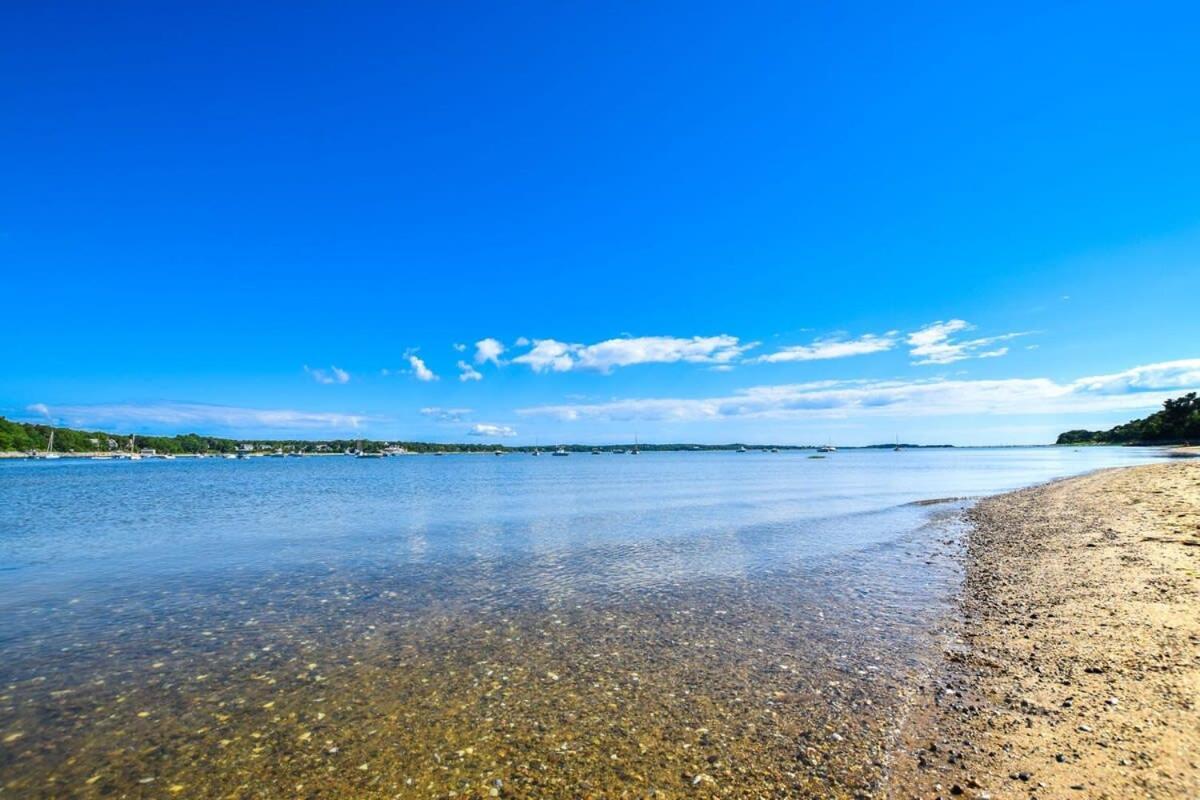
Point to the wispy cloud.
(1164, 375)
(936, 343)
(1136, 388)
(422, 372)
(489, 350)
(830, 348)
(331, 375)
(203, 418)
(41, 409)
(446, 414)
(551, 355)
(468, 373)
(488, 429)
(548, 355)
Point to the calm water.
(730, 624)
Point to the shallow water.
(711, 623)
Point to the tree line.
(1177, 423)
(28, 436)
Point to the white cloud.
(823, 349)
(446, 414)
(488, 429)
(548, 355)
(1164, 375)
(522, 342)
(422, 372)
(468, 373)
(935, 343)
(461, 348)
(488, 350)
(1137, 388)
(202, 418)
(331, 375)
(41, 409)
(551, 355)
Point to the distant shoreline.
(1191, 451)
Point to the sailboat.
(897, 448)
(49, 454)
(560, 451)
(635, 450)
(364, 454)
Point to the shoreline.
(1073, 669)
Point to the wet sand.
(1075, 670)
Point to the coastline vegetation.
(1177, 423)
(24, 437)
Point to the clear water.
(155, 615)
(681, 514)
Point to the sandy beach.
(1074, 670)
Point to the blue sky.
(693, 222)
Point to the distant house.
(148, 451)
(113, 444)
(323, 448)
(245, 447)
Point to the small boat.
(49, 454)
(440, 453)
(102, 458)
(635, 450)
(168, 456)
(229, 455)
(363, 454)
(741, 449)
(774, 449)
(897, 448)
(828, 448)
(497, 452)
(595, 451)
(560, 452)
(618, 451)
